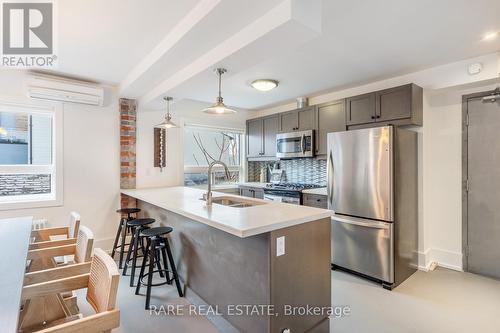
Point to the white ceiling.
(158, 47)
(103, 40)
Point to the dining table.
(15, 236)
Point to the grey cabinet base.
(223, 270)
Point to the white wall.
(91, 163)
(184, 112)
(442, 172)
(440, 165)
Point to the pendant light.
(219, 107)
(167, 123)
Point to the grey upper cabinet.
(254, 137)
(289, 121)
(361, 109)
(271, 127)
(330, 118)
(400, 105)
(306, 118)
(261, 136)
(298, 120)
(394, 103)
(397, 106)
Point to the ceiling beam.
(288, 19)
(198, 13)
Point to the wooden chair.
(42, 255)
(42, 237)
(57, 305)
(102, 287)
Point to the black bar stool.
(137, 226)
(157, 243)
(122, 231)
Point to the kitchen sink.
(235, 202)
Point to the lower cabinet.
(252, 192)
(315, 200)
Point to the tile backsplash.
(299, 170)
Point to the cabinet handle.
(373, 117)
(378, 117)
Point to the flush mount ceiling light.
(219, 107)
(490, 36)
(264, 84)
(167, 123)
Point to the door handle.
(329, 188)
(303, 143)
(361, 223)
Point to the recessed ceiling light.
(264, 84)
(490, 36)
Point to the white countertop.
(14, 241)
(241, 222)
(217, 187)
(232, 186)
(318, 191)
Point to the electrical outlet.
(280, 246)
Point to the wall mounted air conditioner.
(65, 90)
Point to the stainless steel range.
(286, 192)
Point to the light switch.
(280, 246)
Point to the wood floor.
(436, 302)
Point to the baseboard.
(423, 261)
(447, 259)
(443, 258)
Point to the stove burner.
(292, 186)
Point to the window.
(204, 145)
(28, 157)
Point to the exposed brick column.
(128, 120)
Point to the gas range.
(286, 192)
(291, 186)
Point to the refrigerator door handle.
(330, 180)
(361, 223)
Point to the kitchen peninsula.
(242, 251)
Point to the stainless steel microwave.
(295, 144)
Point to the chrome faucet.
(208, 196)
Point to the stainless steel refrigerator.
(373, 189)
